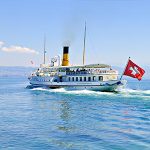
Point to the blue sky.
(116, 29)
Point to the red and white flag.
(133, 70)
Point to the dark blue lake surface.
(78, 120)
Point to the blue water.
(43, 119)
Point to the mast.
(84, 44)
(44, 51)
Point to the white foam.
(121, 92)
(79, 92)
(88, 92)
(38, 89)
(132, 91)
(146, 91)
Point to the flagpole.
(84, 44)
(44, 48)
(124, 68)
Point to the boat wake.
(122, 92)
(134, 91)
(63, 90)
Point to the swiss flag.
(133, 70)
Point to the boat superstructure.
(60, 74)
(97, 77)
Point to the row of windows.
(41, 80)
(100, 78)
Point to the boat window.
(84, 78)
(55, 80)
(60, 79)
(93, 78)
(76, 78)
(100, 78)
(72, 78)
(80, 78)
(69, 78)
(89, 78)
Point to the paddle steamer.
(60, 74)
(97, 77)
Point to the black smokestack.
(66, 50)
(65, 61)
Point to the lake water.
(78, 120)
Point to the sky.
(116, 29)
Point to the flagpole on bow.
(124, 69)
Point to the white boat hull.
(94, 86)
